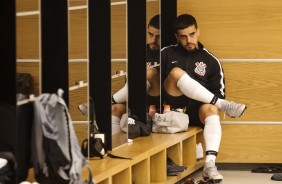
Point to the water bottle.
(166, 108)
(152, 110)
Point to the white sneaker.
(232, 109)
(83, 108)
(210, 173)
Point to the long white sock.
(193, 89)
(212, 136)
(124, 122)
(115, 125)
(121, 95)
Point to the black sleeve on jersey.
(216, 79)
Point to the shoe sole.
(240, 114)
(213, 180)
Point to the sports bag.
(170, 122)
(136, 128)
(93, 146)
(56, 154)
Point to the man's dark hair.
(183, 21)
(155, 22)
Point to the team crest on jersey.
(200, 68)
(148, 64)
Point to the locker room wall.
(246, 37)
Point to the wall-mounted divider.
(54, 46)
(136, 39)
(8, 52)
(99, 53)
(8, 124)
(168, 15)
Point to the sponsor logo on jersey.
(200, 68)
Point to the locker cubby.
(148, 156)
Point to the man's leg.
(153, 82)
(153, 87)
(121, 95)
(117, 111)
(179, 82)
(209, 115)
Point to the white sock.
(115, 125)
(192, 89)
(124, 122)
(121, 95)
(212, 135)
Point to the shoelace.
(230, 106)
(213, 170)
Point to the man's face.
(188, 38)
(153, 38)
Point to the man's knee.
(207, 110)
(176, 73)
(118, 109)
(152, 72)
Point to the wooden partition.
(245, 36)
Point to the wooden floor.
(240, 174)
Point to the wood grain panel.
(27, 32)
(118, 83)
(153, 9)
(78, 34)
(238, 29)
(77, 72)
(118, 31)
(77, 97)
(258, 85)
(251, 144)
(81, 132)
(26, 5)
(77, 2)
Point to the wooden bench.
(148, 159)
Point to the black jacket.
(200, 65)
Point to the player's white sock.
(212, 136)
(124, 122)
(193, 89)
(121, 95)
(115, 125)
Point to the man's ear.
(198, 32)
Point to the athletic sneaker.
(232, 109)
(174, 169)
(210, 172)
(83, 108)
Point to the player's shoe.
(210, 173)
(83, 108)
(232, 109)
